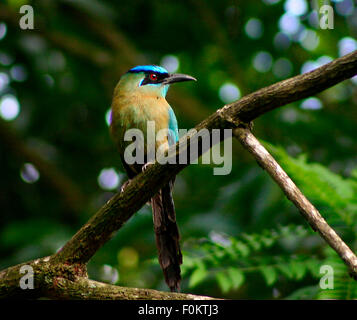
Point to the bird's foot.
(125, 184)
(143, 169)
(146, 166)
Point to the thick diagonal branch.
(122, 206)
(307, 210)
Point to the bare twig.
(308, 211)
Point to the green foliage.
(326, 189)
(343, 286)
(228, 259)
(198, 275)
(304, 293)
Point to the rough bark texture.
(85, 289)
(67, 268)
(70, 281)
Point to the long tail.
(167, 236)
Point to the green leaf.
(236, 276)
(270, 274)
(267, 241)
(252, 241)
(197, 277)
(233, 254)
(298, 269)
(354, 173)
(188, 264)
(286, 271)
(314, 267)
(223, 281)
(242, 248)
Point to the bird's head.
(151, 79)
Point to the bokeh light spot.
(289, 115)
(262, 61)
(220, 238)
(4, 81)
(29, 173)
(3, 30)
(128, 257)
(309, 39)
(254, 28)
(109, 274)
(354, 79)
(345, 7)
(323, 60)
(170, 62)
(281, 41)
(108, 179)
(295, 7)
(9, 107)
(289, 24)
(311, 104)
(108, 117)
(346, 45)
(282, 68)
(314, 19)
(229, 92)
(309, 66)
(18, 73)
(5, 59)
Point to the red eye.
(153, 76)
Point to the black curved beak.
(177, 77)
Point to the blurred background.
(241, 237)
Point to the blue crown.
(149, 68)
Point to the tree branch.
(70, 281)
(307, 210)
(101, 227)
(70, 261)
(299, 87)
(86, 289)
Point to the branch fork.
(63, 275)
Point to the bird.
(139, 97)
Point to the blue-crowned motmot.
(139, 97)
